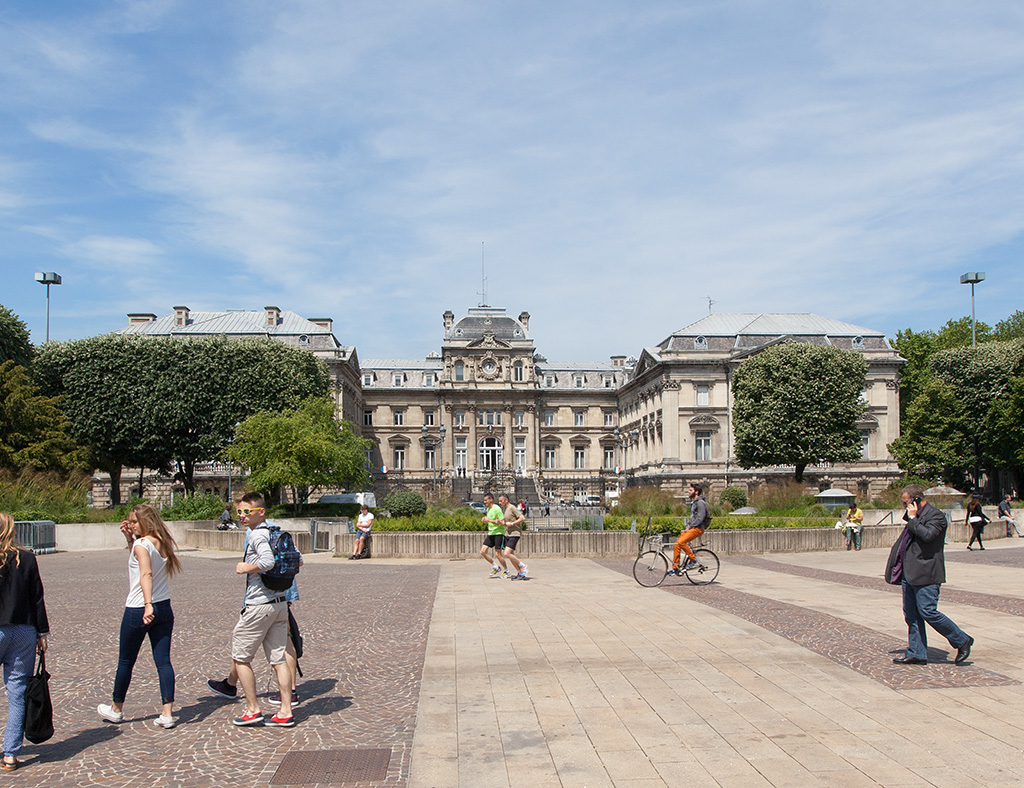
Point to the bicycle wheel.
(706, 569)
(650, 569)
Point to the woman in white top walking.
(147, 611)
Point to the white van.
(361, 498)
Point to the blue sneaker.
(690, 565)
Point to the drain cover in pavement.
(332, 766)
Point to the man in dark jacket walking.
(924, 571)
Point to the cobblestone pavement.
(364, 626)
(778, 674)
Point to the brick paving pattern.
(848, 644)
(365, 628)
(1007, 557)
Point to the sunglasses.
(244, 512)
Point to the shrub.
(404, 503)
(201, 506)
(734, 497)
(889, 498)
(646, 501)
(787, 498)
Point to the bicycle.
(651, 565)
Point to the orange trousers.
(681, 544)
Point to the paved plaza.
(427, 674)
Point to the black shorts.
(496, 541)
(511, 542)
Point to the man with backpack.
(264, 617)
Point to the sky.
(612, 168)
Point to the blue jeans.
(18, 653)
(920, 605)
(133, 632)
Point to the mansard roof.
(232, 322)
(749, 330)
(483, 320)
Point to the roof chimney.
(181, 315)
(524, 318)
(449, 318)
(134, 318)
(273, 315)
(618, 361)
(323, 322)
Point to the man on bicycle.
(699, 520)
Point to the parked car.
(478, 506)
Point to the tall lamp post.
(972, 278)
(433, 443)
(48, 278)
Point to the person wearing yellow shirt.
(853, 527)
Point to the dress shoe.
(910, 661)
(964, 651)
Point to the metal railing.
(40, 536)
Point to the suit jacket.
(21, 592)
(924, 563)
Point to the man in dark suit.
(924, 571)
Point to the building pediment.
(489, 340)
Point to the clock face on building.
(489, 367)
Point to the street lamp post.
(48, 278)
(433, 443)
(621, 444)
(972, 278)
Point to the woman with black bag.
(23, 631)
(976, 519)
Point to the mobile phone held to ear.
(917, 500)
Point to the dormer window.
(549, 381)
(429, 379)
(367, 378)
(608, 381)
(398, 379)
(858, 343)
(303, 340)
(700, 343)
(579, 381)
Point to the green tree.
(152, 401)
(1010, 328)
(14, 342)
(304, 448)
(798, 405)
(33, 429)
(935, 441)
(1005, 429)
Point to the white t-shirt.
(161, 588)
(365, 522)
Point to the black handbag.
(296, 637)
(38, 707)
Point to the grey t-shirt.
(258, 553)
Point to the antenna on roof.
(711, 301)
(483, 278)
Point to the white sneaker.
(165, 722)
(495, 571)
(106, 711)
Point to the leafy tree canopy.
(149, 401)
(33, 430)
(934, 440)
(1010, 328)
(14, 342)
(302, 448)
(798, 405)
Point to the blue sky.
(618, 162)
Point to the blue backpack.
(286, 560)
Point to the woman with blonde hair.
(23, 631)
(151, 562)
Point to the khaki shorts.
(266, 624)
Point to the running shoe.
(222, 688)
(522, 571)
(106, 711)
(282, 722)
(495, 571)
(275, 699)
(255, 718)
(165, 722)
(691, 564)
(506, 576)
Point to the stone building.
(490, 411)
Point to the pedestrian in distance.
(263, 620)
(1007, 515)
(924, 572)
(24, 629)
(494, 542)
(513, 519)
(364, 525)
(976, 520)
(853, 527)
(152, 561)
